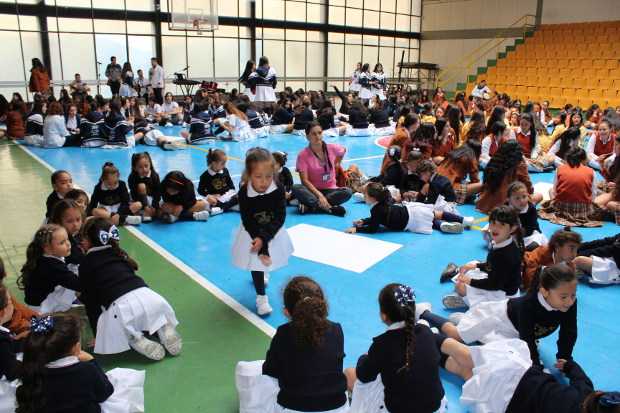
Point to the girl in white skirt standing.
(500, 378)
(378, 82)
(48, 284)
(599, 260)
(550, 304)
(400, 373)
(119, 304)
(303, 368)
(262, 243)
(500, 276)
(354, 85)
(408, 216)
(365, 86)
(56, 375)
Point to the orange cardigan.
(541, 256)
(487, 201)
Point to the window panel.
(388, 21)
(416, 7)
(315, 13)
(296, 35)
(11, 52)
(371, 19)
(403, 6)
(141, 49)
(336, 15)
(78, 55)
(355, 3)
(245, 53)
(371, 40)
(315, 59)
(70, 25)
(352, 56)
(174, 54)
(107, 45)
(29, 23)
(402, 23)
(106, 26)
(274, 9)
(313, 36)
(145, 5)
(200, 57)
(109, 4)
(275, 34)
(335, 60)
(136, 27)
(8, 21)
(370, 55)
(386, 58)
(335, 37)
(295, 59)
(226, 56)
(226, 31)
(388, 5)
(353, 39)
(227, 8)
(300, 84)
(294, 12)
(274, 50)
(32, 49)
(69, 3)
(354, 17)
(415, 24)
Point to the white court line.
(362, 159)
(191, 273)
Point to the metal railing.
(471, 59)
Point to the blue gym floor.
(205, 247)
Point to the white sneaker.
(455, 318)
(148, 348)
(262, 305)
(215, 211)
(168, 124)
(420, 308)
(147, 218)
(451, 227)
(133, 220)
(468, 221)
(358, 196)
(173, 146)
(293, 202)
(170, 339)
(201, 216)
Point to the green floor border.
(215, 336)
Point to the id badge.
(326, 177)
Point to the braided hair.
(397, 303)
(34, 251)
(305, 302)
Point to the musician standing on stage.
(157, 80)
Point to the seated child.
(519, 199)
(19, 321)
(235, 124)
(10, 366)
(566, 141)
(400, 372)
(80, 197)
(146, 132)
(391, 173)
(411, 183)
(216, 185)
(550, 304)
(69, 215)
(110, 198)
(54, 363)
(119, 304)
(48, 284)
(460, 166)
(92, 125)
(284, 174)
(435, 185)
(144, 185)
(116, 128)
(62, 182)
(599, 260)
(256, 123)
(409, 216)
(502, 268)
(179, 200)
(303, 369)
(200, 125)
(562, 247)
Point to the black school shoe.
(338, 211)
(448, 273)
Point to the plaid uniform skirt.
(571, 214)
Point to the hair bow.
(106, 236)
(610, 399)
(404, 295)
(41, 325)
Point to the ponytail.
(397, 303)
(34, 251)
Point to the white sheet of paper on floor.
(543, 188)
(338, 249)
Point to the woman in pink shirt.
(317, 165)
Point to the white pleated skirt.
(248, 92)
(129, 316)
(475, 296)
(487, 322)
(331, 132)
(34, 140)
(280, 249)
(128, 396)
(378, 92)
(420, 217)
(351, 131)
(384, 131)
(259, 393)
(536, 237)
(7, 395)
(265, 94)
(498, 368)
(278, 129)
(299, 132)
(243, 134)
(355, 87)
(150, 138)
(261, 132)
(365, 93)
(604, 271)
(369, 398)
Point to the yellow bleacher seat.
(616, 84)
(585, 63)
(591, 82)
(598, 64)
(585, 101)
(605, 83)
(602, 73)
(611, 63)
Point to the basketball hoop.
(193, 15)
